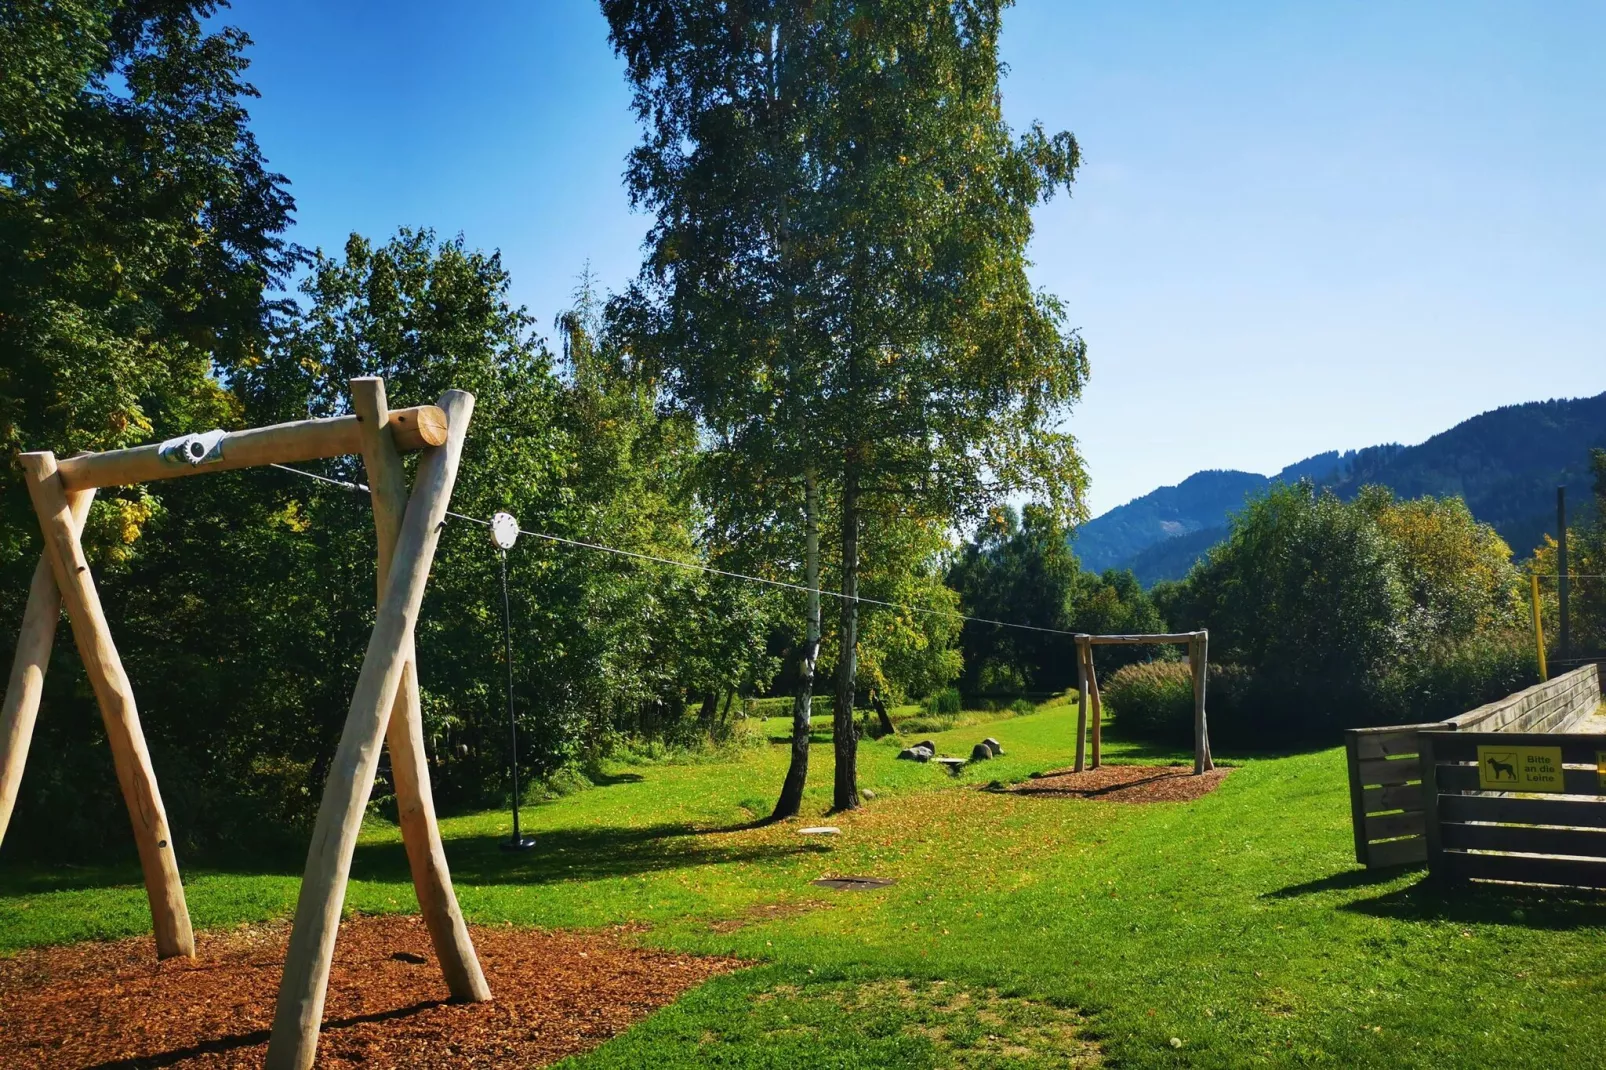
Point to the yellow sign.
(1520, 768)
(1600, 769)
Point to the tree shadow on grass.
(1477, 903)
(557, 856)
(581, 854)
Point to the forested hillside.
(1506, 463)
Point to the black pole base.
(523, 843)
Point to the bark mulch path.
(1126, 783)
(110, 1005)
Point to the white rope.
(693, 566)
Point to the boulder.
(915, 754)
(928, 744)
(980, 752)
(993, 745)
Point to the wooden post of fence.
(294, 1040)
(170, 916)
(1437, 870)
(415, 804)
(1357, 794)
(1096, 704)
(1081, 703)
(1199, 662)
(35, 639)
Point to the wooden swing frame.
(1087, 691)
(384, 704)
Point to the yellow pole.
(1539, 628)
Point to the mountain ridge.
(1505, 462)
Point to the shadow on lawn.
(580, 854)
(1338, 882)
(563, 855)
(1487, 904)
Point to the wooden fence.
(1550, 830)
(1387, 802)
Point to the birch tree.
(835, 282)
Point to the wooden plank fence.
(1528, 837)
(1387, 802)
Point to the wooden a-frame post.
(415, 804)
(384, 706)
(170, 917)
(294, 1040)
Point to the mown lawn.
(1235, 930)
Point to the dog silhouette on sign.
(1496, 768)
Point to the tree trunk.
(797, 774)
(705, 714)
(880, 707)
(845, 789)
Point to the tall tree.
(140, 233)
(836, 279)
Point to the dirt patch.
(110, 1005)
(759, 913)
(1126, 783)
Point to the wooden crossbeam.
(301, 440)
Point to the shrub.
(1152, 701)
(1447, 679)
(944, 703)
(1022, 706)
(781, 706)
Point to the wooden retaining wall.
(1386, 771)
(1554, 836)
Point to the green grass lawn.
(1020, 929)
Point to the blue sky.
(1299, 227)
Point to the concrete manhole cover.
(853, 884)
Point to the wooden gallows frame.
(384, 705)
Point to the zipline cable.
(692, 566)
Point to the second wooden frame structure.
(1089, 702)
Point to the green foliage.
(1586, 565)
(140, 236)
(1152, 700)
(243, 609)
(1363, 612)
(1019, 567)
(943, 703)
(835, 281)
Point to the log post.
(1081, 704)
(1199, 661)
(415, 804)
(35, 639)
(169, 915)
(294, 1040)
(1096, 704)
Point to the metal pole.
(1562, 585)
(517, 842)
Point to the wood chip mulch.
(108, 1005)
(1126, 783)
